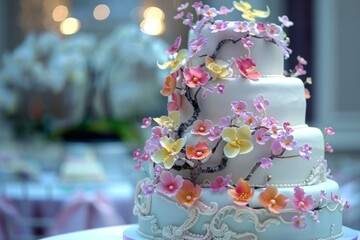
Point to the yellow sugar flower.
(238, 141)
(172, 121)
(177, 63)
(249, 13)
(218, 68)
(168, 154)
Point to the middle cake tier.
(285, 94)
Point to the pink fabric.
(85, 211)
(11, 222)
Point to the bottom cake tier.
(215, 216)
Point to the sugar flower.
(179, 15)
(168, 153)
(285, 21)
(276, 147)
(346, 205)
(218, 68)
(174, 103)
(195, 76)
(272, 200)
(171, 121)
(260, 103)
(188, 194)
(158, 169)
(225, 121)
(242, 193)
(287, 141)
(200, 151)
(323, 195)
(335, 198)
(220, 88)
(247, 68)
(274, 131)
(266, 163)
(329, 148)
(145, 156)
(304, 152)
(302, 203)
(250, 14)
(169, 185)
(175, 47)
(202, 127)
(208, 12)
(224, 10)
(183, 6)
(299, 222)
(147, 187)
(301, 60)
(242, 26)
(250, 120)
(177, 63)
(146, 122)
(238, 141)
(307, 93)
(261, 136)
(197, 4)
(197, 44)
(238, 107)
(218, 26)
(247, 43)
(215, 133)
(272, 30)
(136, 154)
(288, 128)
(168, 86)
(329, 131)
(220, 183)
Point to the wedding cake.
(234, 158)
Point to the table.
(107, 233)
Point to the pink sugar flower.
(147, 187)
(225, 121)
(158, 169)
(188, 20)
(145, 157)
(261, 136)
(247, 43)
(273, 31)
(238, 107)
(260, 103)
(250, 119)
(323, 195)
(287, 141)
(288, 128)
(197, 44)
(302, 203)
(346, 205)
(183, 6)
(169, 185)
(241, 26)
(223, 10)
(146, 122)
(285, 21)
(301, 60)
(329, 131)
(218, 26)
(175, 47)
(220, 88)
(136, 154)
(215, 133)
(247, 68)
(174, 104)
(197, 4)
(220, 183)
(268, 122)
(202, 127)
(329, 148)
(208, 12)
(300, 70)
(276, 147)
(195, 76)
(335, 198)
(266, 163)
(152, 144)
(261, 27)
(179, 15)
(304, 152)
(274, 131)
(299, 222)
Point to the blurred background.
(78, 76)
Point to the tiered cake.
(234, 158)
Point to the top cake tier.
(267, 55)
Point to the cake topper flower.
(168, 154)
(238, 141)
(249, 13)
(242, 193)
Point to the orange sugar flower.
(188, 194)
(199, 151)
(242, 194)
(168, 86)
(272, 200)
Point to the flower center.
(195, 79)
(287, 142)
(188, 197)
(150, 188)
(201, 129)
(242, 197)
(301, 203)
(272, 201)
(171, 187)
(199, 153)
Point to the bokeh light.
(60, 13)
(152, 26)
(101, 12)
(70, 26)
(154, 13)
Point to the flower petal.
(245, 146)
(169, 161)
(160, 155)
(167, 143)
(229, 134)
(231, 150)
(244, 133)
(179, 144)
